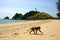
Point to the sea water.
(11, 21)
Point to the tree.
(17, 16)
(58, 14)
(30, 13)
(6, 17)
(58, 7)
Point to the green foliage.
(6, 17)
(58, 5)
(17, 16)
(58, 14)
(30, 13)
(39, 16)
(56, 18)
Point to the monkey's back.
(35, 28)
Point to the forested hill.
(32, 15)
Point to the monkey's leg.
(30, 32)
(40, 31)
(33, 31)
(36, 31)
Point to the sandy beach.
(16, 31)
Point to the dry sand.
(16, 31)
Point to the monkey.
(34, 29)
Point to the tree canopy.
(58, 7)
(30, 13)
(39, 16)
(58, 14)
(6, 17)
(17, 16)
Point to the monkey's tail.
(27, 31)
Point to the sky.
(11, 7)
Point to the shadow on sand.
(36, 34)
